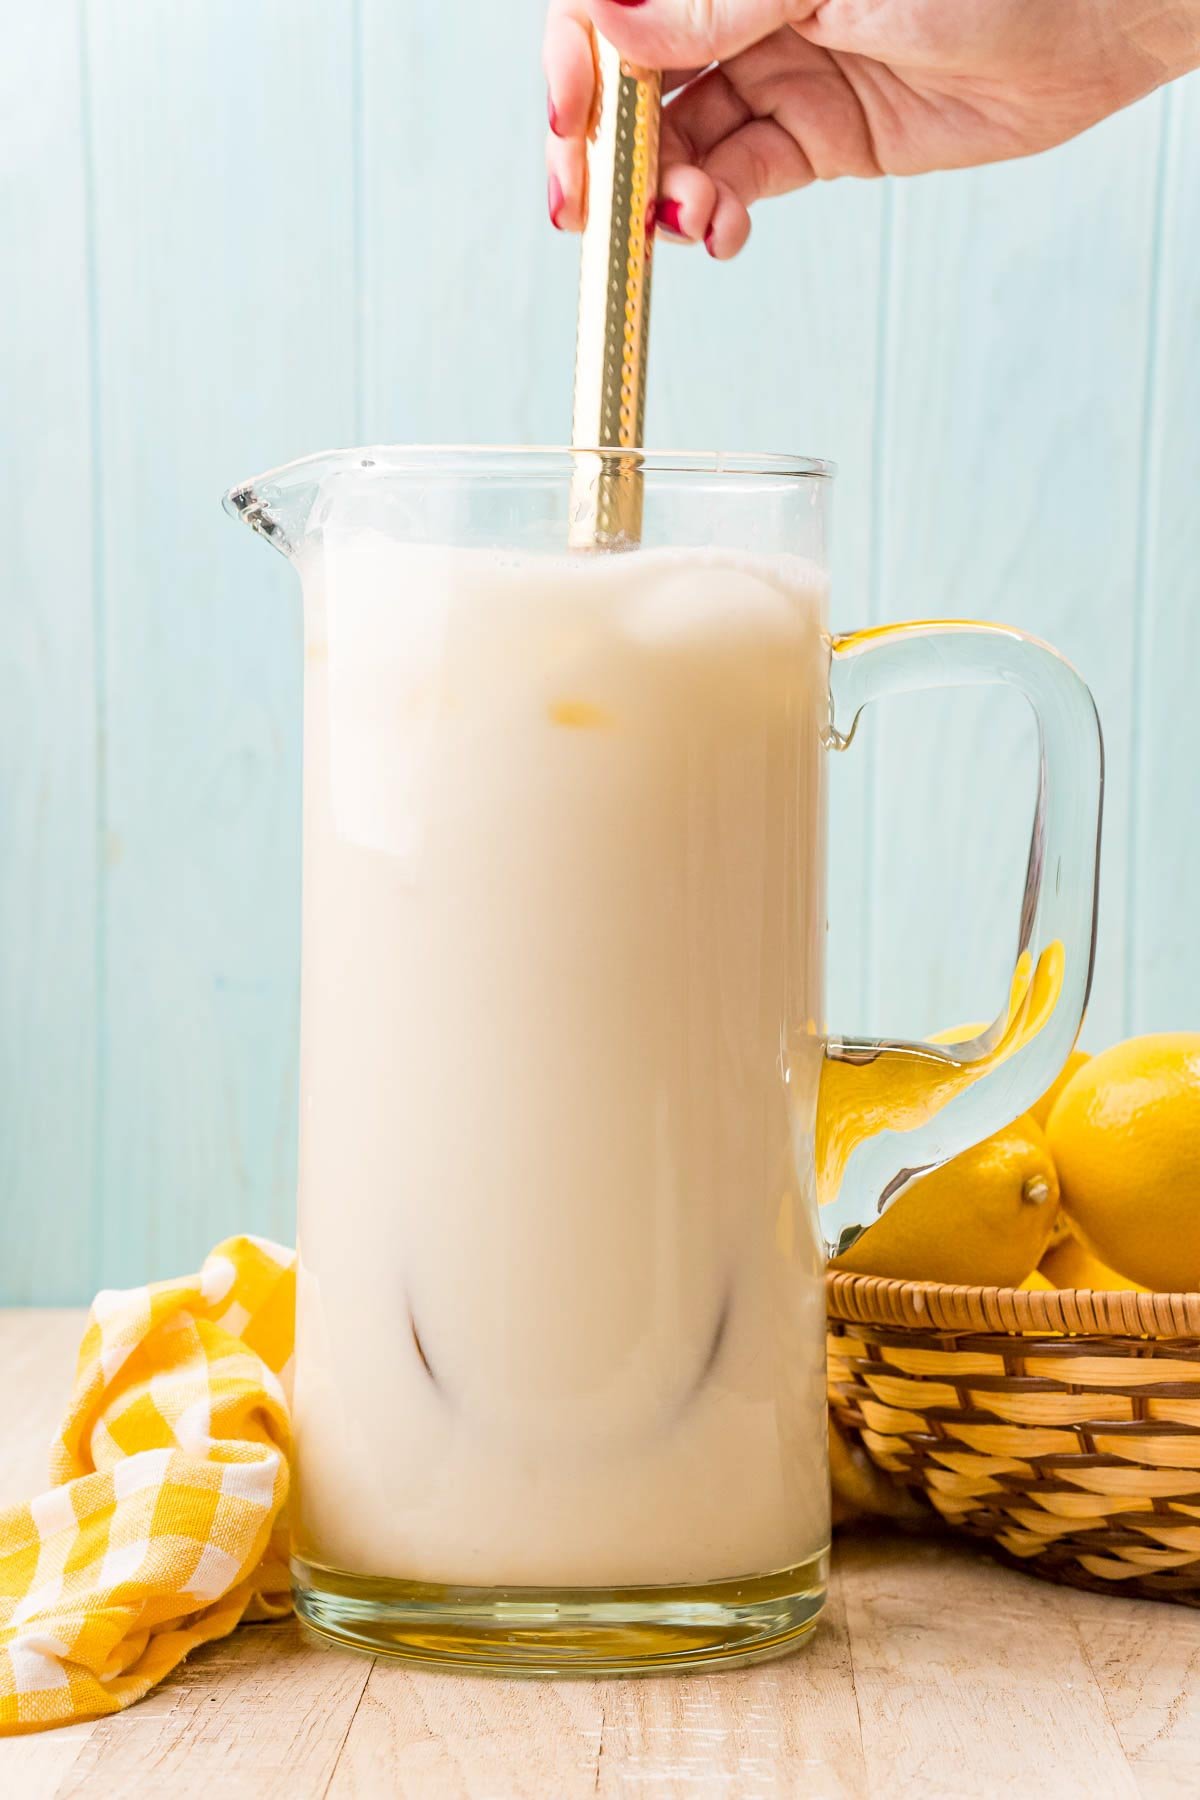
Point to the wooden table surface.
(934, 1673)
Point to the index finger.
(570, 67)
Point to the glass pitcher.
(565, 1202)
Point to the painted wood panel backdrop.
(235, 230)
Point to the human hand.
(770, 95)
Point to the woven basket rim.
(935, 1305)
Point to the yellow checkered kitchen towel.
(164, 1527)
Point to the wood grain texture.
(934, 1673)
(786, 1728)
(266, 228)
(1022, 311)
(49, 751)
(37, 1354)
(968, 1701)
(1148, 1666)
(783, 1728)
(262, 1715)
(39, 1767)
(1163, 869)
(225, 295)
(467, 298)
(438, 1734)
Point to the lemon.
(1036, 1283)
(958, 1034)
(1125, 1133)
(985, 1217)
(872, 1087)
(859, 1487)
(1041, 1109)
(1070, 1264)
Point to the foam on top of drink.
(778, 570)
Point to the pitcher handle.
(889, 1111)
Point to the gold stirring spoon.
(614, 303)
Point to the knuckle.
(701, 21)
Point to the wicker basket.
(1063, 1427)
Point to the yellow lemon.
(860, 1487)
(1060, 1229)
(1070, 1264)
(871, 1087)
(1036, 1283)
(1125, 1133)
(957, 1034)
(985, 1217)
(1041, 1109)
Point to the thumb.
(689, 34)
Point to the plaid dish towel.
(164, 1527)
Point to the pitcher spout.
(289, 504)
(279, 504)
(246, 502)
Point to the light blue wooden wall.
(236, 230)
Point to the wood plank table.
(935, 1673)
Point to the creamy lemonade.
(560, 1316)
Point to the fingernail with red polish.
(554, 199)
(552, 115)
(708, 242)
(667, 214)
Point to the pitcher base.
(557, 1632)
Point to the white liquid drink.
(561, 1316)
